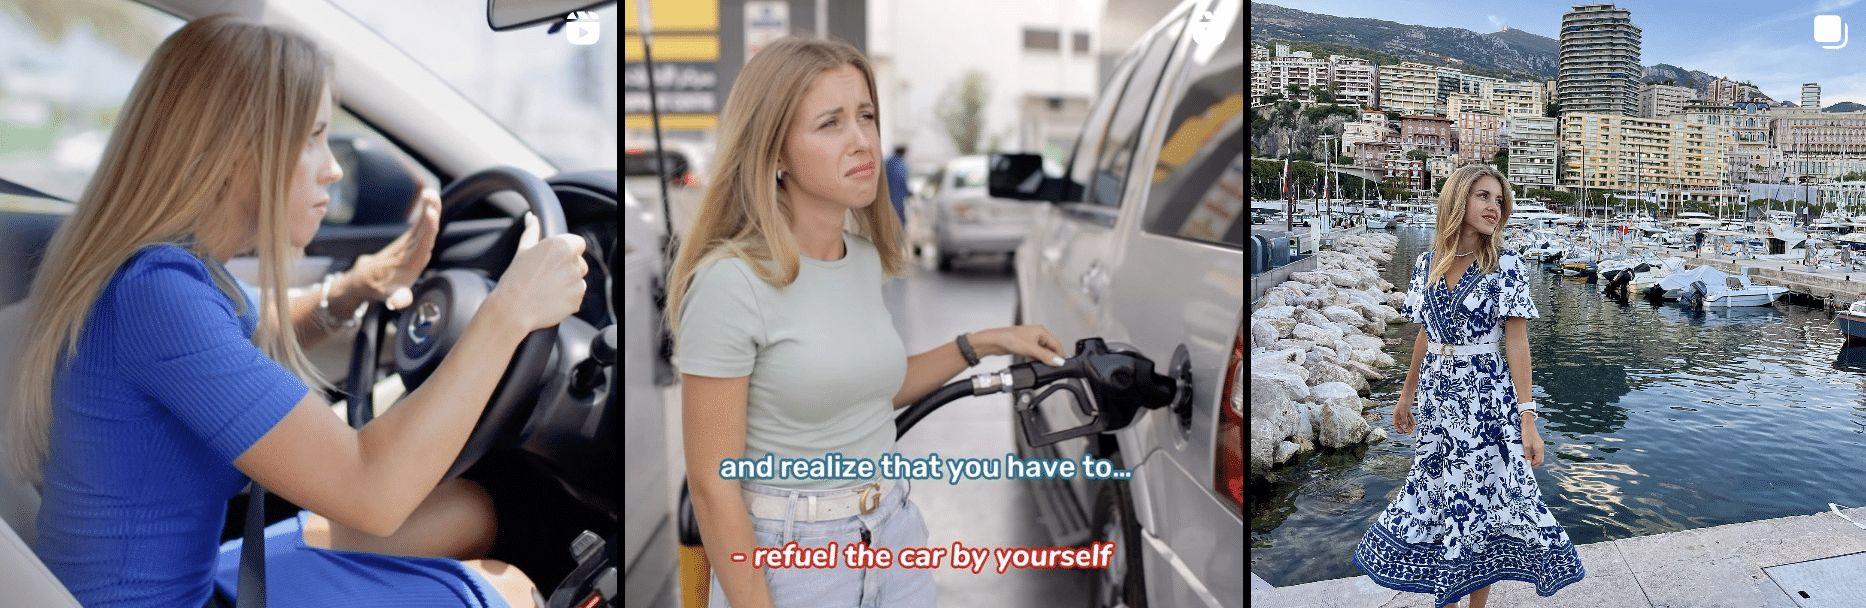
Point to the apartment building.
(1641, 154)
(1454, 80)
(1724, 90)
(1822, 146)
(1366, 139)
(1476, 128)
(1753, 158)
(1350, 79)
(1811, 95)
(1658, 100)
(1409, 88)
(1702, 112)
(1426, 132)
(1354, 80)
(1299, 68)
(1600, 68)
(1532, 151)
(1525, 98)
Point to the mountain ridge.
(1510, 53)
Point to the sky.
(1768, 43)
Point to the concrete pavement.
(1719, 567)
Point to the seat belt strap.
(252, 590)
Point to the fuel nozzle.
(1123, 382)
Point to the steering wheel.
(445, 301)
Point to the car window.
(64, 76)
(1117, 147)
(65, 70)
(1198, 179)
(1082, 160)
(343, 194)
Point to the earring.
(780, 175)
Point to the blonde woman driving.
(153, 385)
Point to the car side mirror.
(1021, 177)
(376, 190)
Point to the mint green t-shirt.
(824, 358)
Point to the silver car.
(683, 167)
(1141, 244)
(961, 218)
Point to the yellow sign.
(685, 35)
(673, 16)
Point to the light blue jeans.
(896, 523)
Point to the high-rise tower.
(1600, 68)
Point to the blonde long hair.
(1452, 200)
(744, 213)
(224, 105)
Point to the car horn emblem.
(422, 327)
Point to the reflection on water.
(1656, 419)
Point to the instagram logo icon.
(1829, 28)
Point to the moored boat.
(1852, 321)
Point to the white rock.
(1286, 449)
(1341, 425)
(1375, 435)
(1369, 343)
(1345, 315)
(1273, 419)
(1273, 312)
(1342, 278)
(1261, 333)
(1316, 278)
(1334, 391)
(1315, 333)
(1365, 370)
(1281, 327)
(1313, 316)
(1280, 356)
(1307, 416)
(1330, 372)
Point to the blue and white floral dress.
(1470, 513)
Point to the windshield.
(559, 97)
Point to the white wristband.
(1525, 406)
(325, 317)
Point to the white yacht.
(1693, 220)
(1534, 214)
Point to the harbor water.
(1656, 419)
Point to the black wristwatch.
(965, 348)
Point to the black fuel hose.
(919, 409)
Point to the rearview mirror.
(505, 15)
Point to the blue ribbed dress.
(165, 390)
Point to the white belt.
(1460, 350)
(862, 499)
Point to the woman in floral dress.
(1470, 513)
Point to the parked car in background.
(682, 165)
(957, 217)
(648, 525)
(1141, 243)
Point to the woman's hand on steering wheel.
(544, 283)
(387, 276)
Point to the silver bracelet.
(324, 316)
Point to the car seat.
(26, 579)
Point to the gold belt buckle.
(1444, 350)
(869, 497)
